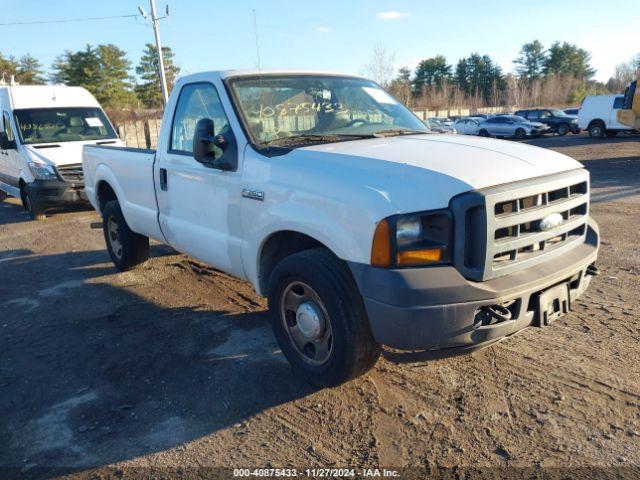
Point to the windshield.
(320, 108)
(557, 113)
(56, 125)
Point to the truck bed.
(129, 172)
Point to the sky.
(335, 35)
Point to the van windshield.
(317, 108)
(55, 125)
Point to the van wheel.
(563, 129)
(127, 249)
(36, 213)
(596, 129)
(521, 133)
(319, 319)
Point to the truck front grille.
(511, 227)
(71, 173)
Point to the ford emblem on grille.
(550, 222)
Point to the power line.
(40, 22)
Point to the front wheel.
(36, 213)
(127, 249)
(596, 130)
(319, 319)
(483, 133)
(563, 129)
(521, 133)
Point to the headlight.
(413, 240)
(42, 171)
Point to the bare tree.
(381, 66)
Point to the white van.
(598, 115)
(42, 131)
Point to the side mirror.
(208, 148)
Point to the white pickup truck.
(361, 226)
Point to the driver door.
(199, 204)
(9, 165)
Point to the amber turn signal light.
(381, 248)
(412, 257)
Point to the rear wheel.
(596, 129)
(563, 129)
(319, 319)
(521, 133)
(34, 211)
(127, 249)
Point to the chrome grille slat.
(539, 212)
(530, 238)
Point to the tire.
(127, 249)
(521, 134)
(3, 195)
(611, 133)
(36, 213)
(483, 133)
(325, 297)
(596, 129)
(563, 129)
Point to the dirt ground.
(173, 367)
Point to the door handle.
(163, 179)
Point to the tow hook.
(593, 270)
(492, 315)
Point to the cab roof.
(225, 74)
(46, 96)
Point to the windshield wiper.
(313, 137)
(397, 132)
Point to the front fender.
(347, 243)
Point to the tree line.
(559, 74)
(104, 70)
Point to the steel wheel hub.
(310, 321)
(306, 322)
(113, 232)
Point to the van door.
(618, 102)
(9, 157)
(199, 205)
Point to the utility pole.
(156, 31)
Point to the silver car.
(510, 126)
(437, 126)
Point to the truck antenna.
(255, 31)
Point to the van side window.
(196, 101)
(7, 126)
(618, 102)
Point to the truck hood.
(478, 162)
(64, 153)
(425, 171)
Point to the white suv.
(598, 115)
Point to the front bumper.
(54, 193)
(435, 307)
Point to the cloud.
(392, 15)
(324, 29)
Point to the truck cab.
(361, 226)
(42, 132)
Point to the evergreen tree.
(29, 71)
(103, 70)
(566, 59)
(149, 91)
(479, 75)
(433, 72)
(530, 63)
